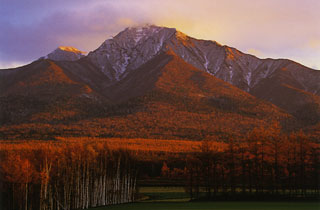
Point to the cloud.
(8, 65)
(83, 28)
(255, 52)
(273, 28)
(314, 44)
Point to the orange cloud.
(314, 43)
(254, 52)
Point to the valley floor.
(174, 198)
(215, 206)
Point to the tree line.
(63, 177)
(265, 163)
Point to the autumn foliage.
(77, 173)
(64, 175)
(265, 164)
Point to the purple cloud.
(30, 29)
(84, 28)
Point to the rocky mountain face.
(135, 46)
(268, 79)
(129, 50)
(64, 53)
(160, 83)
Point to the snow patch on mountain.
(206, 64)
(248, 78)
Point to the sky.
(290, 29)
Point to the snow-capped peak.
(139, 33)
(130, 49)
(135, 46)
(144, 31)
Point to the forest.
(78, 173)
(53, 175)
(265, 166)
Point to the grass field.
(175, 198)
(163, 194)
(213, 206)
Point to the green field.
(213, 206)
(174, 198)
(164, 194)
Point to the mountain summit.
(130, 49)
(65, 53)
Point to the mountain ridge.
(120, 78)
(242, 70)
(245, 73)
(154, 104)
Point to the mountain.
(156, 82)
(267, 79)
(164, 98)
(136, 45)
(65, 53)
(38, 90)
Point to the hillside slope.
(264, 78)
(165, 98)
